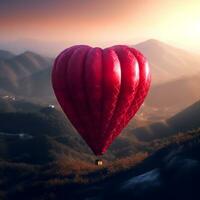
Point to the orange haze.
(102, 22)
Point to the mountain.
(167, 62)
(49, 48)
(170, 173)
(186, 120)
(5, 55)
(18, 67)
(37, 85)
(174, 85)
(175, 95)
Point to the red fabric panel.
(59, 74)
(129, 85)
(76, 91)
(111, 87)
(93, 89)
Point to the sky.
(100, 22)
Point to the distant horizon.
(99, 23)
(44, 47)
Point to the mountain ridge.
(32, 78)
(168, 62)
(186, 120)
(5, 54)
(20, 66)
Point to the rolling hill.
(20, 66)
(37, 85)
(186, 120)
(175, 95)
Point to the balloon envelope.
(100, 90)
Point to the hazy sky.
(102, 22)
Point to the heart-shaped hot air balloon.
(100, 90)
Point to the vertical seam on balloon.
(96, 133)
(108, 141)
(81, 122)
(102, 93)
(71, 51)
(65, 72)
(118, 125)
(137, 89)
(118, 97)
(83, 80)
(138, 85)
(69, 96)
(54, 71)
(102, 90)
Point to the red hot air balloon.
(100, 90)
